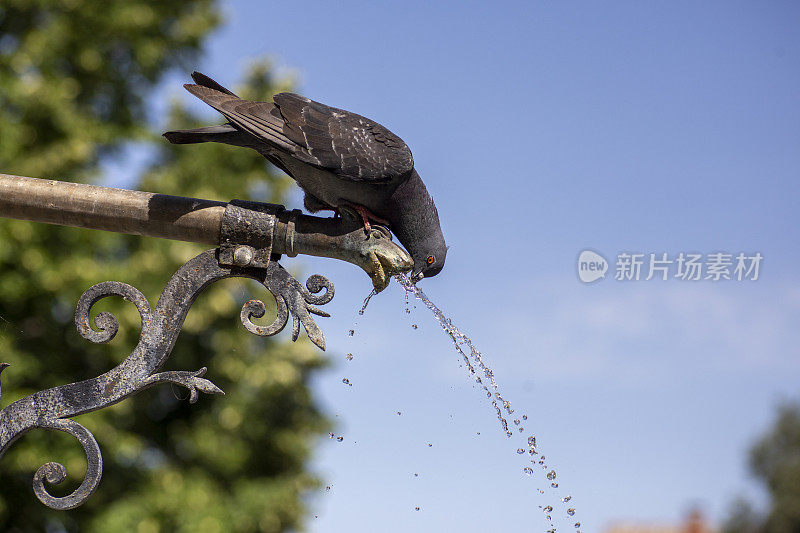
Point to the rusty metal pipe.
(194, 220)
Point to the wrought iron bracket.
(250, 238)
(248, 235)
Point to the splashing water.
(366, 301)
(484, 376)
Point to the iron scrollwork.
(160, 327)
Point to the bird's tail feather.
(201, 135)
(205, 81)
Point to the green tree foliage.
(75, 77)
(775, 462)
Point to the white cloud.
(647, 329)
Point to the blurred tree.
(74, 80)
(775, 462)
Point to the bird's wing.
(351, 146)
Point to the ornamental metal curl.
(160, 327)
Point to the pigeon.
(339, 159)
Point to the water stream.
(484, 377)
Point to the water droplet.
(509, 434)
(349, 357)
(528, 470)
(551, 475)
(340, 439)
(540, 491)
(554, 485)
(347, 382)
(532, 451)
(531, 441)
(330, 435)
(351, 333)
(524, 417)
(520, 450)
(577, 524)
(430, 445)
(548, 509)
(414, 326)
(522, 429)
(416, 508)
(328, 488)
(416, 474)
(399, 413)
(516, 421)
(571, 511)
(565, 499)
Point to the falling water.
(485, 378)
(366, 301)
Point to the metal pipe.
(105, 208)
(196, 220)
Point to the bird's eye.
(431, 259)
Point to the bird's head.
(428, 260)
(415, 221)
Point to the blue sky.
(543, 129)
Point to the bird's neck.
(413, 214)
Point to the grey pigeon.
(338, 158)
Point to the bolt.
(242, 256)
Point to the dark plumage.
(337, 157)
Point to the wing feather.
(259, 122)
(350, 146)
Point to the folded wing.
(350, 146)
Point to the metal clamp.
(246, 234)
